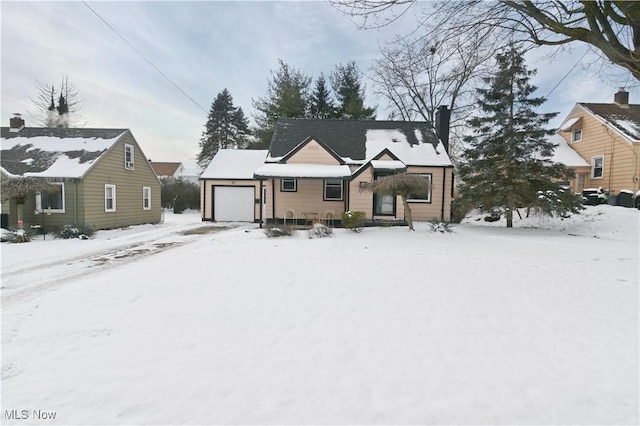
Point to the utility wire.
(144, 57)
(569, 72)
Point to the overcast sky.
(203, 47)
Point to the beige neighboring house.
(319, 168)
(103, 176)
(173, 170)
(607, 138)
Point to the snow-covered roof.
(566, 155)
(303, 171)
(623, 119)
(234, 164)
(569, 123)
(417, 154)
(59, 153)
(388, 165)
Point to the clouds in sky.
(203, 47)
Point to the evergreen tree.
(507, 163)
(287, 97)
(321, 105)
(226, 127)
(349, 92)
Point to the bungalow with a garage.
(104, 179)
(317, 169)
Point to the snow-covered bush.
(320, 230)
(22, 234)
(82, 232)
(353, 221)
(273, 231)
(437, 225)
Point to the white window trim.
(46, 210)
(428, 200)
(145, 190)
(295, 185)
(324, 194)
(593, 166)
(113, 192)
(129, 165)
(573, 136)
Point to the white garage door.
(233, 204)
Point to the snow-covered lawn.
(486, 325)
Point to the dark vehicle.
(593, 196)
(638, 200)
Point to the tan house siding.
(361, 201)
(441, 180)
(110, 170)
(312, 153)
(308, 198)
(621, 157)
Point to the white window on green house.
(333, 190)
(109, 198)
(597, 167)
(422, 198)
(146, 198)
(288, 185)
(51, 202)
(576, 135)
(129, 156)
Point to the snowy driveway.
(483, 326)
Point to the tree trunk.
(509, 216)
(407, 212)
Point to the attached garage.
(233, 203)
(228, 190)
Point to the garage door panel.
(233, 204)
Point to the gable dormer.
(312, 151)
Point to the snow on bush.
(82, 232)
(320, 230)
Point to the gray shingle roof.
(346, 137)
(625, 119)
(34, 150)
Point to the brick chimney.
(16, 123)
(621, 98)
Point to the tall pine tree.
(226, 127)
(507, 163)
(321, 104)
(349, 92)
(287, 97)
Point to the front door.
(383, 205)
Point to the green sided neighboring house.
(103, 176)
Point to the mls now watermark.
(29, 415)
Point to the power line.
(144, 57)
(568, 72)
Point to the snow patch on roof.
(68, 157)
(421, 154)
(53, 144)
(569, 124)
(388, 164)
(234, 164)
(566, 155)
